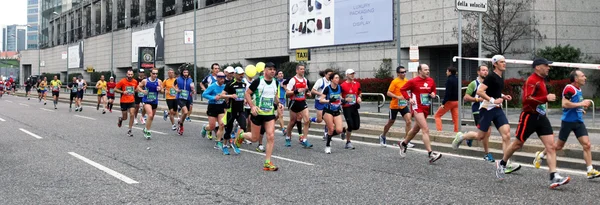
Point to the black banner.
(146, 57)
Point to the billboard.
(315, 23)
(75, 56)
(152, 37)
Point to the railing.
(593, 111)
(380, 104)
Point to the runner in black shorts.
(73, 90)
(397, 105)
(471, 96)
(332, 100)
(298, 89)
(572, 121)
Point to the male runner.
(398, 105)
(55, 85)
(81, 87)
(2, 85)
(235, 92)
(282, 100)
(215, 111)
(533, 119)
(297, 89)
(28, 85)
(263, 112)
(491, 110)
(102, 88)
(317, 90)
(127, 87)
(150, 87)
(111, 93)
(572, 121)
(422, 90)
(138, 99)
(171, 98)
(39, 89)
(43, 90)
(184, 86)
(471, 96)
(73, 90)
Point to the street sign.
(302, 55)
(472, 5)
(413, 66)
(188, 37)
(414, 53)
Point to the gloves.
(333, 99)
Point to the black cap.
(270, 64)
(540, 61)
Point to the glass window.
(32, 11)
(32, 28)
(32, 1)
(32, 19)
(32, 37)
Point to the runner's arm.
(470, 89)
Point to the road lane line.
(162, 133)
(2, 120)
(24, 104)
(47, 110)
(89, 118)
(278, 157)
(30, 133)
(9, 101)
(105, 169)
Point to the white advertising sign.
(472, 5)
(75, 56)
(188, 37)
(152, 37)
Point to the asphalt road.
(56, 168)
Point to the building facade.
(249, 31)
(33, 16)
(15, 38)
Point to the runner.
(102, 88)
(422, 89)
(450, 102)
(171, 98)
(572, 121)
(235, 92)
(297, 89)
(398, 105)
(43, 90)
(282, 100)
(2, 85)
(207, 81)
(13, 85)
(138, 100)
(491, 111)
(73, 90)
(289, 104)
(8, 86)
(332, 100)
(351, 90)
(111, 93)
(184, 85)
(28, 85)
(127, 89)
(263, 112)
(39, 89)
(150, 87)
(81, 87)
(317, 91)
(229, 74)
(471, 96)
(215, 111)
(533, 119)
(55, 84)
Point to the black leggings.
(352, 118)
(240, 117)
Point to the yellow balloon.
(250, 71)
(260, 66)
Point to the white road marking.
(47, 110)
(157, 132)
(105, 169)
(9, 101)
(24, 104)
(89, 118)
(278, 157)
(2, 120)
(30, 133)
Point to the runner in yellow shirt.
(55, 85)
(398, 104)
(171, 95)
(101, 86)
(42, 87)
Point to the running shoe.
(240, 138)
(143, 120)
(500, 170)
(225, 150)
(559, 181)
(328, 150)
(288, 142)
(458, 138)
(203, 132)
(236, 150)
(510, 168)
(537, 161)
(260, 148)
(402, 149)
(593, 174)
(129, 133)
(306, 144)
(488, 157)
(434, 156)
(165, 115)
(469, 143)
(120, 122)
(382, 140)
(174, 127)
(188, 119)
(349, 145)
(269, 167)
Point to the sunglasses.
(402, 72)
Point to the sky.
(13, 12)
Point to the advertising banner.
(75, 56)
(152, 37)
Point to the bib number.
(300, 95)
(74, 89)
(140, 94)
(266, 104)
(172, 92)
(402, 103)
(335, 105)
(352, 98)
(184, 94)
(129, 90)
(240, 94)
(541, 109)
(425, 100)
(103, 92)
(151, 96)
(111, 91)
(55, 88)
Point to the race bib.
(541, 109)
(266, 104)
(129, 89)
(352, 98)
(151, 96)
(55, 88)
(335, 105)
(425, 99)
(111, 91)
(402, 103)
(240, 94)
(184, 94)
(140, 94)
(74, 89)
(172, 92)
(103, 92)
(300, 95)
(220, 101)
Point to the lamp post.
(195, 60)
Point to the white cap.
(497, 58)
(239, 70)
(229, 69)
(112, 77)
(141, 71)
(349, 71)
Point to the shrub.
(289, 69)
(385, 69)
(374, 85)
(560, 53)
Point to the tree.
(504, 23)
(385, 69)
(560, 53)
